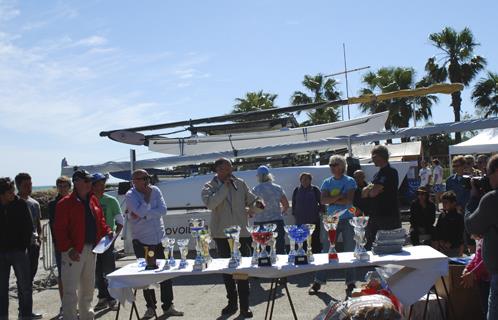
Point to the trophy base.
(333, 257)
(310, 258)
(199, 267)
(151, 267)
(300, 260)
(171, 263)
(183, 264)
(364, 256)
(233, 264)
(264, 262)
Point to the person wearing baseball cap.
(276, 204)
(105, 261)
(79, 226)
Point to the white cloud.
(8, 10)
(92, 41)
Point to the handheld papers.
(104, 244)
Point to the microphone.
(233, 183)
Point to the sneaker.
(315, 287)
(349, 290)
(149, 313)
(231, 308)
(172, 312)
(112, 304)
(101, 305)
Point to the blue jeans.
(493, 298)
(19, 260)
(347, 231)
(281, 234)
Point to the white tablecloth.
(424, 266)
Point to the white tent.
(484, 142)
(396, 151)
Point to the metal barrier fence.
(48, 256)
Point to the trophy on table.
(263, 236)
(233, 234)
(330, 225)
(206, 239)
(254, 244)
(309, 252)
(299, 234)
(150, 258)
(196, 226)
(359, 223)
(292, 251)
(273, 242)
(183, 247)
(171, 246)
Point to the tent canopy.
(484, 142)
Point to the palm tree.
(485, 95)
(400, 110)
(457, 63)
(255, 101)
(322, 89)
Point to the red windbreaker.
(70, 222)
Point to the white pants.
(78, 278)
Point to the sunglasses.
(138, 179)
(85, 180)
(334, 164)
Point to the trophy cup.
(183, 246)
(196, 226)
(292, 251)
(205, 241)
(273, 242)
(150, 258)
(359, 223)
(254, 245)
(299, 234)
(309, 252)
(262, 236)
(233, 234)
(171, 246)
(330, 225)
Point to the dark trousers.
(105, 265)
(376, 223)
(166, 285)
(416, 232)
(19, 260)
(34, 257)
(242, 286)
(281, 234)
(316, 244)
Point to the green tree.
(457, 63)
(322, 89)
(485, 95)
(255, 101)
(401, 110)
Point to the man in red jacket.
(79, 226)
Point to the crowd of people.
(80, 218)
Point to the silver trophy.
(309, 252)
(196, 226)
(273, 251)
(254, 245)
(183, 246)
(292, 251)
(359, 223)
(233, 234)
(171, 246)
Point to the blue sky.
(70, 69)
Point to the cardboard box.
(465, 301)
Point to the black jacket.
(422, 217)
(16, 226)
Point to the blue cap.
(263, 170)
(98, 176)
